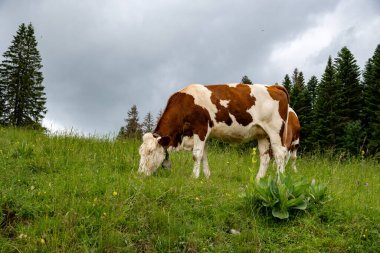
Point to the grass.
(75, 194)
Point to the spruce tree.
(348, 80)
(133, 127)
(325, 117)
(21, 81)
(308, 125)
(298, 85)
(350, 99)
(301, 103)
(2, 102)
(121, 135)
(312, 88)
(147, 125)
(246, 80)
(371, 110)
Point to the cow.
(230, 112)
(292, 141)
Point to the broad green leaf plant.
(281, 194)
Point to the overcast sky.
(101, 57)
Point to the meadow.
(76, 194)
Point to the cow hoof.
(195, 176)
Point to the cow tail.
(285, 133)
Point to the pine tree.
(147, 125)
(308, 125)
(121, 135)
(287, 83)
(133, 127)
(371, 110)
(350, 99)
(2, 102)
(298, 85)
(246, 80)
(312, 88)
(300, 101)
(325, 120)
(21, 81)
(348, 80)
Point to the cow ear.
(164, 141)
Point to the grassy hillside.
(71, 194)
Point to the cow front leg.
(264, 149)
(205, 167)
(198, 151)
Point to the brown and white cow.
(291, 142)
(231, 112)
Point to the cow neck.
(166, 128)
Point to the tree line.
(22, 96)
(341, 111)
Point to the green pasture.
(77, 194)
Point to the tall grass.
(73, 194)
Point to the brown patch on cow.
(293, 131)
(182, 117)
(279, 93)
(239, 101)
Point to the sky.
(102, 57)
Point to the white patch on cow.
(236, 132)
(152, 154)
(295, 142)
(202, 97)
(224, 103)
(291, 110)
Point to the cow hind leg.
(198, 151)
(264, 149)
(205, 167)
(279, 151)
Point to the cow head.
(152, 153)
